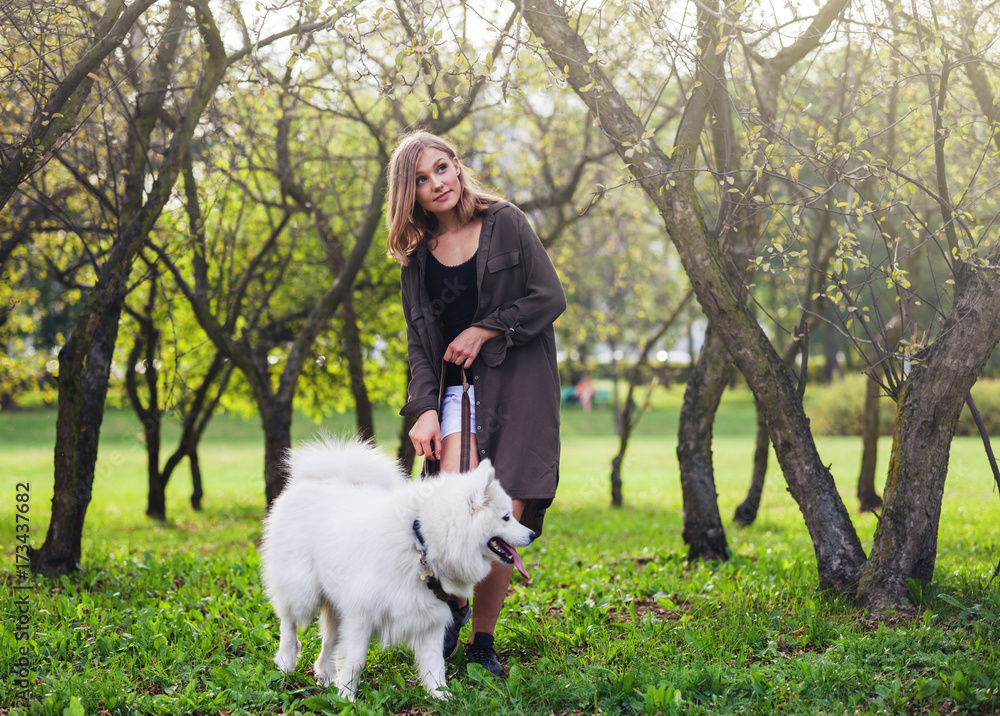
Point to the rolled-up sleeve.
(544, 300)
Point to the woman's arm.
(424, 381)
(543, 301)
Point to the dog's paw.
(285, 661)
(346, 692)
(324, 677)
(288, 654)
(441, 693)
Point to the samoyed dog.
(377, 555)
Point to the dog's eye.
(506, 518)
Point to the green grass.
(170, 618)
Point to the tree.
(169, 374)
(943, 372)
(629, 417)
(838, 550)
(85, 359)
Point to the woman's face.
(438, 185)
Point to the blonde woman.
(479, 292)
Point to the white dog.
(377, 554)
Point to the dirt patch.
(644, 607)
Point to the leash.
(464, 459)
(431, 466)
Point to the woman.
(479, 293)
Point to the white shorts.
(451, 411)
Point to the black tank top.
(454, 298)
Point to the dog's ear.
(480, 497)
(477, 500)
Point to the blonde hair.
(409, 225)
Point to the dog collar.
(426, 573)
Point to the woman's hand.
(464, 349)
(426, 435)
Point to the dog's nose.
(531, 537)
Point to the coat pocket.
(503, 261)
(417, 321)
(494, 351)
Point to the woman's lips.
(442, 197)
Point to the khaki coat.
(515, 376)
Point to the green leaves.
(75, 708)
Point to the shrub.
(837, 408)
(986, 394)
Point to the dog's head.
(491, 503)
(467, 522)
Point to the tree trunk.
(83, 388)
(714, 369)
(867, 496)
(196, 490)
(625, 425)
(746, 511)
(150, 415)
(928, 408)
(156, 504)
(885, 344)
(277, 419)
(356, 367)
(616, 476)
(703, 531)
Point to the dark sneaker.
(481, 652)
(460, 615)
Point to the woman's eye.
(420, 180)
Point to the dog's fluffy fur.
(340, 541)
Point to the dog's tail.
(326, 457)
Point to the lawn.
(170, 619)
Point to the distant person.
(584, 391)
(480, 293)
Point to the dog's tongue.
(517, 562)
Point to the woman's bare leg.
(487, 600)
(451, 457)
(490, 593)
